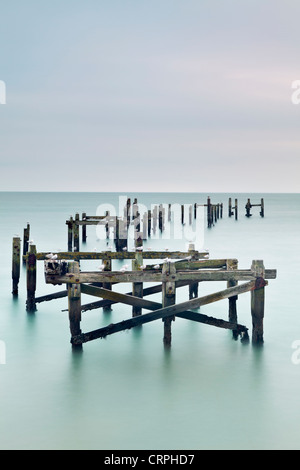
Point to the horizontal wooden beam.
(156, 276)
(106, 255)
(165, 312)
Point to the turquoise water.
(127, 391)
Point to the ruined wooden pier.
(171, 270)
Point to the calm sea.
(126, 391)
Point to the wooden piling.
(232, 310)
(74, 301)
(182, 213)
(137, 287)
(76, 232)
(83, 227)
(193, 287)
(248, 207)
(160, 217)
(236, 209)
(149, 223)
(209, 213)
(107, 285)
(169, 212)
(230, 213)
(70, 234)
(262, 208)
(168, 298)
(25, 241)
(258, 302)
(16, 258)
(31, 279)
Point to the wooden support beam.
(76, 233)
(107, 285)
(156, 275)
(162, 313)
(55, 295)
(137, 287)
(74, 299)
(83, 228)
(102, 303)
(168, 298)
(26, 234)
(70, 234)
(193, 287)
(31, 279)
(89, 255)
(232, 313)
(258, 302)
(16, 259)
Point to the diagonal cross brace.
(177, 309)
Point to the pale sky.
(150, 95)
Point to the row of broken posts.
(233, 209)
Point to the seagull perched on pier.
(143, 266)
(101, 267)
(156, 266)
(123, 269)
(49, 256)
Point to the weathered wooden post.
(168, 298)
(262, 208)
(137, 287)
(232, 265)
(229, 207)
(149, 223)
(182, 213)
(169, 212)
(128, 205)
(248, 207)
(160, 217)
(193, 287)
(76, 232)
(209, 213)
(154, 219)
(16, 259)
(107, 285)
(190, 214)
(25, 241)
(74, 301)
(236, 209)
(70, 233)
(31, 279)
(145, 225)
(258, 302)
(195, 210)
(221, 212)
(122, 235)
(137, 222)
(84, 227)
(107, 214)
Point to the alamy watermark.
(2, 352)
(296, 94)
(192, 230)
(295, 358)
(2, 92)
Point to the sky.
(150, 95)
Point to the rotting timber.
(174, 269)
(170, 275)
